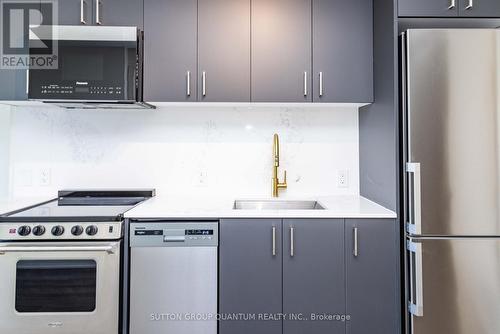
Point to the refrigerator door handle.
(415, 225)
(416, 303)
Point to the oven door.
(93, 64)
(59, 288)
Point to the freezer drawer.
(454, 285)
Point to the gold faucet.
(276, 155)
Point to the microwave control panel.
(62, 91)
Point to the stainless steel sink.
(276, 205)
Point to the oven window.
(56, 286)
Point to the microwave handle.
(110, 249)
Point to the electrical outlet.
(44, 177)
(343, 178)
(201, 179)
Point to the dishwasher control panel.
(174, 234)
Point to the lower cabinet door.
(372, 262)
(313, 276)
(250, 276)
(13, 85)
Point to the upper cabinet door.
(429, 8)
(224, 50)
(313, 274)
(170, 49)
(479, 8)
(250, 274)
(343, 51)
(118, 12)
(281, 51)
(372, 261)
(75, 12)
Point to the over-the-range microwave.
(94, 67)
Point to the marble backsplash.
(203, 150)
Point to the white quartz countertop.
(171, 207)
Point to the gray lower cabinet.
(313, 275)
(428, 8)
(479, 8)
(100, 12)
(250, 274)
(281, 51)
(372, 278)
(342, 51)
(224, 50)
(13, 85)
(344, 270)
(170, 50)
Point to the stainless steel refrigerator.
(451, 117)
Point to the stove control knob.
(38, 230)
(91, 230)
(57, 230)
(24, 230)
(76, 230)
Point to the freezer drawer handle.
(7, 249)
(416, 303)
(415, 227)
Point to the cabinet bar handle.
(453, 4)
(82, 16)
(292, 241)
(188, 83)
(274, 240)
(470, 5)
(320, 84)
(204, 83)
(97, 15)
(305, 83)
(355, 249)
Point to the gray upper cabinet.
(281, 51)
(224, 50)
(250, 274)
(170, 50)
(119, 12)
(100, 12)
(429, 8)
(445, 8)
(479, 8)
(373, 298)
(75, 12)
(313, 274)
(342, 51)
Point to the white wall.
(183, 150)
(4, 150)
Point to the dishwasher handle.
(174, 238)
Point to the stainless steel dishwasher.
(173, 277)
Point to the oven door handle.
(7, 249)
